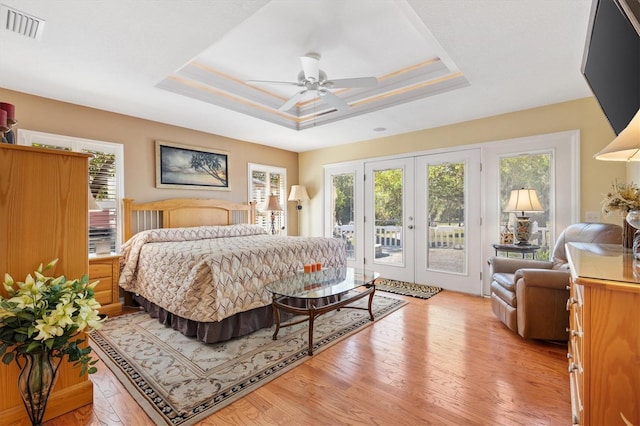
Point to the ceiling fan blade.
(311, 66)
(352, 82)
(292, 101)
(282, 83)
(333, 100)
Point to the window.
(265, 181)
(106, 181)
(528, 170)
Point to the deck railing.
(443, 236)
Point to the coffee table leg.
(312, 316)
(276, 317)
(371, 303)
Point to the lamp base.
(523, 230)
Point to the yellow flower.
(63, 314)
(4, 313)
(54, 311)
(46, 330)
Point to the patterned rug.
(179, 381)
(407, 289)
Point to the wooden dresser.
(43, 215)
(604, 343)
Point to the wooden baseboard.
(60, 402)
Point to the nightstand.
(106, 269)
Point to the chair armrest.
(510, 265)
(545, 278)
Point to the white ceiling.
(133, 57)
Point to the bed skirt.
(240, 324)
(237, 325)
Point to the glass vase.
(630, 226)
(37, 378)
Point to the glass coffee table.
(315, 293)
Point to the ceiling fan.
(313, 79)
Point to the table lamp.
(523, 200)
(273, 205)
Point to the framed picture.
(189, 167)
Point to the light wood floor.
(443, 361)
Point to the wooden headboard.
(183, 212)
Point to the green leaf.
(8, 357)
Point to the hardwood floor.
(442, 361)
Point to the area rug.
(407, 289)
(179, 381)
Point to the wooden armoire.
(43, 216)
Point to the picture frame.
(189, 167)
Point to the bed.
(200, 265)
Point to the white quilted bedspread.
(210, 273)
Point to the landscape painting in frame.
(189, 167)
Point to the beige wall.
(583, 114)
(138, 137)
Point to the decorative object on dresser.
(7, 121)
(604, 345)
(529, 296)
(42, 322)
(523, 200)
(216, 288)
(49, 189)
(633, 219)
(621, 199)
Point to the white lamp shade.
(273, 204)
(524, 200)
(626, 146)
(298, 193)
(93, 205)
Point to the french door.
(422, 219)
(447, 244)
(389, 223)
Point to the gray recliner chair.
(530, 296)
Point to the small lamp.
(93, 205)
(626, 146)
(298, 193)
(273, 205)
(523, 200)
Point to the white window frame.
(30, 137)
(282, 191)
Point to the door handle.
(410, 227)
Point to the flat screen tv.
(611, 62)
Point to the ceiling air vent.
(21, 23)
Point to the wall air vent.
(20, 23)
